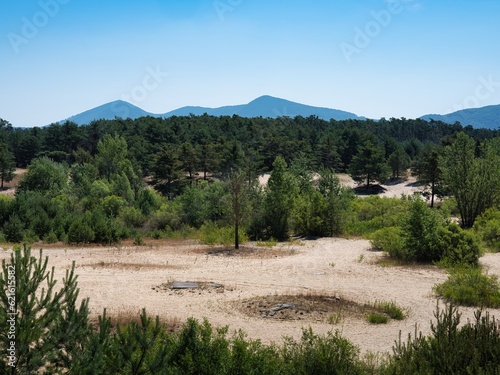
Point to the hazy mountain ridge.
(267, 106)
(485, 117)
(264, 106)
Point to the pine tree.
(7, 164)
(48, 328)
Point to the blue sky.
(376, 58)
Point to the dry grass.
(130, 266)
(246, 251)
(128, 315)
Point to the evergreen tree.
(46, 325)
(399, 161)
(7, 164)
(369, 165)
(427, 168)
(167, 171)
(280, 193)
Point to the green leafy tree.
(473, 180)
(280, 193)
(328, 156)
(337, 202)
(167, 171)
(368, 164)
(238, 187)
(399, 161)
(427, 168)
(7, 164)
(112, 151)
(45, 176)
(420, 233)
(188, 158)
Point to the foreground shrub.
(472, 349)
(317, 355)
(49, 331)
(469, 287)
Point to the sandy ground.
(128, 278)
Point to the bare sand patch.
(328, 267)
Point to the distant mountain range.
(265, 106)
(271, 107)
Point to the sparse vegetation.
(129, 342)
(468, 286)
(376, 318)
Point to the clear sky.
(376, 58)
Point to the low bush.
(467, 286)
(373, 213)
(390, 240)
(212, 234)
(487, 227)
(390, 308)
(474, 348)
(457, 245)
(376, 318)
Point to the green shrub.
(474, 348)
(80, 230)
(390, 240)
(457, 245)
(390, 308)
(376, 318)
(373, 213)
(330, 354)
(487, 227)
(51, 237)
(467, 286)
(420, 232)
(13, 229)
(212, 234)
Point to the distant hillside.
(109, 111)
(264, 106)
(485, 117)
(268, 106)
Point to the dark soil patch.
(313, 308)
(369, 190)
(181, 287)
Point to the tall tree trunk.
(236, 222)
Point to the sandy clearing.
(113, 278)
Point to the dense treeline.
(95, 183)
(210, 143)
